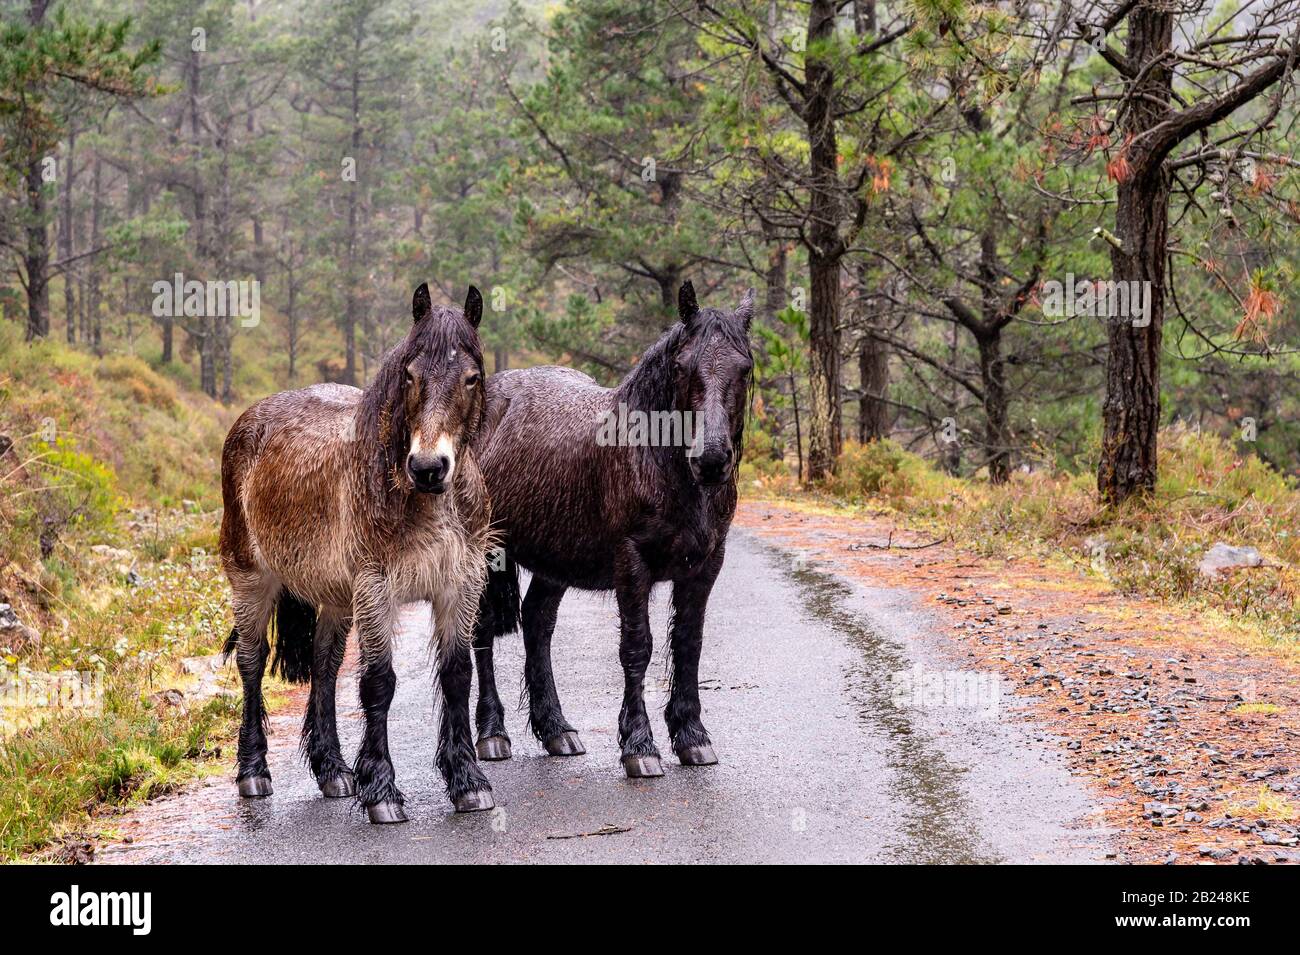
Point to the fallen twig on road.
(609, 829)
(890, 545)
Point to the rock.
(1223, 556)
(13, 632)
(197, 666)
(1274, 839)
(1218, 853)
(113, 553)
(1160, 810)
(168, 698)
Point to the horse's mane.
(649, 386)
(382, 431)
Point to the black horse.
(620, 489)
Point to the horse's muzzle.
(712, 467)
(431, 477)
(429, 486)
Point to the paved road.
(818, 762)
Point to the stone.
(14, 632)
(1223, 557)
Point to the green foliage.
(58, 776)
(79, 491)
(883, 469)
(40, 59)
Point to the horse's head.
(441, 388)
(712, 374)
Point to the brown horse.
(340, 506)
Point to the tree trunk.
(873, 380)
(36, 259)
(997, 436)
(950, 457)
(224, 326)
(824, 434)
(291, 315)
(667, 279)
(825, 251)
(873, 366)
(500, 359)
(350, 273)
(798, 427)
(1131, 413)
(225, 219)
(208, 357)
(66, 245)
(166, 322)
(775, 278)
(90, 300)
(259, 258)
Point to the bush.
(139, 383)
(883, 469)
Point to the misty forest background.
(902, 182)
(897, 180)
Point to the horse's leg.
(541, 605)
(690, 740)
(467, 787)
(489, 714)
(320, 734)
(375, 614)
(636, 643)
(254, 601)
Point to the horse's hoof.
(477, 801)
(566, 744)
(340, 787)
(642, 767)
(384, 813)
(493, 748)
(254, 787)
(697, 755)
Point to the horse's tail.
(295, 637)
(498, 605)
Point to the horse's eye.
(471, 381)
(410, 379)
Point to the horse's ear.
(473, 306)
(421, 306)
(745, 310)
(687, 309)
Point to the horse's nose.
(429, 474)
(712, 466)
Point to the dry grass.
(1207, 492)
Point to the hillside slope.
(109, 497)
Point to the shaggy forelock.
(429, 343)
(432, 340)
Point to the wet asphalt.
(823, 758)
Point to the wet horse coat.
(340, 506)
(578, 512)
